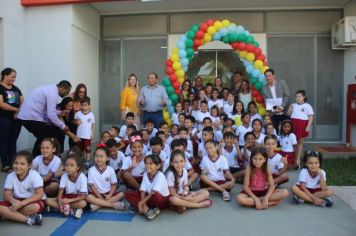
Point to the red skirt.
(290, 157)
(156, 200)
(40, 203)
(299, 128)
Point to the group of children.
(159, 167)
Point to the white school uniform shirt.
(301, 111)
(175, 119)
(217, 102)
(240, 132)
(195, 113)
(201, 116)
(187, 165)
(275, 163)
(310, 181)
(254, 117)
(154, 132)
(102, 179)
(228, 108)
(214, 169)
(24, 188)
(117, 162)
(43, 169)
(231, 157)
(218, 135)
(84, 130)
(287, 142)
(261, 138)
(201, 148)
(157, 183)
(183, 181)
(123, 130)
(189, 149)
(78, 186)
(138, 170)
(162, 155)
(169, 140)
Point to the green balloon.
(233, 37)
(195, 28)
(258, 86)
(254, 80)
(166, 82)
(190, 35)
(241, 37)
(174, 98)
(190, 52)
(226, 39)
(189, 43)
(170, 90)
(256, 44)
(250, 39)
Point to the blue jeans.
(157, 117)
(10, 130)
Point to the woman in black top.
(10, 101)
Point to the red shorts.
(218, 182)
(290, 157)
(258, 193)
(40, 203)
(156, 200)
(275, 176)
(85, 145)
(299, 128)
(311, 190)
(52, 180)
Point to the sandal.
(151, 214)
(226, 196)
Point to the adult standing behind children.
(39, 116)
(129, 100)
(276, 89)
(152, 99)
(10, 101)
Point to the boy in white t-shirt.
(116, 156)
(130, 117)
(86, 126)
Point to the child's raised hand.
(258, 203)
(140, 207)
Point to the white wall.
(349, 71)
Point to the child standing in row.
(288, 142)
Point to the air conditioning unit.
(343, 33)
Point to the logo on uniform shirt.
(219, 170)
(107, 179)
(89, 120)
(287, 142)
(302, 110)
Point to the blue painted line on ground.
(71, 226)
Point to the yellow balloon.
(262, 111)
(259, 105)
(225, 23)
(232, 24)
(250, 57)
(259, 64)
(264, 69)
(243, 54)
(207, 37)
(181, 80)
(218, 25)
(174, 57)
(211, 30)
(165, 115)
(169, 122)
(176, 65)
(180, 73)
(175, 50)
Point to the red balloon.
(169, 62)
(203, 27)
(195, 48)
(209, 22)
(235, 45)
(177, 91)
(258, 51)
(250, 48)
(173, 78)
(169, 70)
(261, 57)
(197, 42)
(241, 46)
(199, 34)
(176, 85)
(259, 99)
(254, 92)
(265, 63)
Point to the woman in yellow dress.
(129, 99)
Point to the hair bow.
(135, 138)
(101, 145)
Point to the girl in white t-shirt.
(178, 109)
(311, 186)
(23, 192)
(177, 178)
(154, 194)
(302, 116)
(257, 131)
(47, 164)
(288, 142)
(73, 189)
(236, 113)
(102, 183)
(216, 175)
(252, 110)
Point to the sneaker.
(328, 202)
(297, 200)
(77, 213)
(132, 208)
(66, 210)
(119, 206)
(51, 209)
(94, 207)
(35, 219)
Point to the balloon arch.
(237, 36)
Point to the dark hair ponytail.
(302, 92)
(171, 167)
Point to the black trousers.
(10, 130)
(41, 130)
(277, 119)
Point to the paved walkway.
(221, 219)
